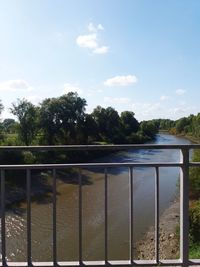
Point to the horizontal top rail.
(98, 147)
(95, 165)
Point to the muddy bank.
(169, 243)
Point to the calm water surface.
(93, 209)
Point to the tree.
(72, 115)
(148, 128)
(49, 121)
(26, 113)
(108, 123)
(87, 130)
(61, 117)
(181, 124)
(129, 123)
(9, 125)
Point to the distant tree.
(129, 123)
(195, 125)
(9, 125)
(26, 113)
(181, 124)
(148, 128)
(87, 130)
(108, 122)
(72, 115)
(99, 116)
(49, 121)
(61, 117)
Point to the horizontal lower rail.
(103, 263)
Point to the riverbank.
(169, 243)
(190, 137)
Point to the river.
(93, 209)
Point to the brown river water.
(93, 209)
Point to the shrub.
(194, 220)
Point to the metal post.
(3, 223)
(28, 191)
(80, 219)
(184, 207)
(106, 215)
(157, 214)
(54, 220)
(131, 214)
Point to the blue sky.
(138, 55)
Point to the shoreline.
(168, 240)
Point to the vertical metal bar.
(28, 191)
(106, 215)
(184, 207)
(54, 220)
(131, 214)
(3, 223)
(80, 218)
(157, 214)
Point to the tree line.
(63, 120)
(189, 126)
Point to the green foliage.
(194, 251)
(194, 210)
(148, 128)
(129, 123)
(195, 177)
(26, 113)
(194, 220)
(182, 124)
(9, 126)
(28, 157)
(60, 118)
(10, 140)
(107, 122)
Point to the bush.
(194, 220)
(195, 177)
(29, 158)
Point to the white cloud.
(156, 110)
(117, 100)
(100, 27)
(101, 50)
(93, 28)
(147, 111)
(34, 99)
(15, 85)
(180, 92)
(183, 111)
(164, 97)
(88, 41)
(68, 87)
(91, 40)
(121, 80)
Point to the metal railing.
(184, 164)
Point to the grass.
(194, 251)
